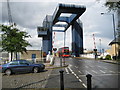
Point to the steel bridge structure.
(64, 16)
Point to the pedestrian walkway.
(56, 64)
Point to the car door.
(25, 66)
(14, 66)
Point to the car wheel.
(8, 72)
(35, 69)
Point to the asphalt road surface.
(104, 75)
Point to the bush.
(108, 57)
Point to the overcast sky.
(28, 14)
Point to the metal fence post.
(89, 86)
(61, 80)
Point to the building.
(115, 48)
(34, 55)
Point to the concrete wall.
(28, 55)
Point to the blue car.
(18, 66)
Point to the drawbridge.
(64, 16)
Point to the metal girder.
(65, 8)
(58, 30)
(60, 25)
(63, 19)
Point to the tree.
(13, 40)
(115, 6)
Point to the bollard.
(89, 87)
(61, 80)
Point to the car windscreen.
(13, 63)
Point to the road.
(104, 75)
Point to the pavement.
(111, 61)
(55, 65)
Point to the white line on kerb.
(84, 85)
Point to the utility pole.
(9, 13)
(114, 30)
(95, 50)
(100, 46)
(64, 45)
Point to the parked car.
(18, 66)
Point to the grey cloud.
(27, 14)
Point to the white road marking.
(70, 65)
(102, 71)
(82, 75)
(84, 85)
(77, 77)
(67, 71)
(80, 80)
(79, 71)
(87, 72)
(75, 74)
(70, 69)
(94, 71)
(105, 74)
(76, 67)
(102, 67)
(86, 66)
(112, 71)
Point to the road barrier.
(89, 87)
(61, 80)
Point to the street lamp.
(113, 19)
(100, 46)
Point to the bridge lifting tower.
(51, 21)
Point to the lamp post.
(100, 46)
(113, 19)
(64, 45)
